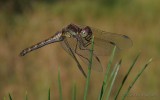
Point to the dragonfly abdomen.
(56, 38)
(34, 47)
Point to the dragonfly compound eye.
(84, 33)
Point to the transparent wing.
(102, 48)
(85, 56)
(121, 41)
(69, 50)
(66, 48)
(105, 41)
(82, 54)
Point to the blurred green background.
(26, 22)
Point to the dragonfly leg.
(80, 54)
(80, 47)
(87, 44)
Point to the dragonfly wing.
(82, 54)
(104, 48)
(85, 57)
(70, 51)
(64, 46)
(119, 40)
(69, 43)
(105, 42)
(96, 64)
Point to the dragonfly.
(76, 40)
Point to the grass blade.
(126, 76)
(89, 71)
(59, 85)
(10, 97)
(49, 94)
(74, 92)
(110, 79)
(105, 83)
(138, 75)
(113, 77)
(26, 97)
(101, 92)
(109, 64)
(4, 98)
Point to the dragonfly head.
(86, 33)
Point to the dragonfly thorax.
(72, 33)
(67, 34)
(71, 30)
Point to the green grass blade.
(89, 71)
(105, 82)
(113, 77)
(101, 92)
(4, 98)
(110, 79)
(26, 97)
(74, 92)
(59, 85)
(10, 97)
(126, 76)
(138, 75)
(49, 96)
(109, 64)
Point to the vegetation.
(23, 24)
(107, 83)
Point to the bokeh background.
(26, 22)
